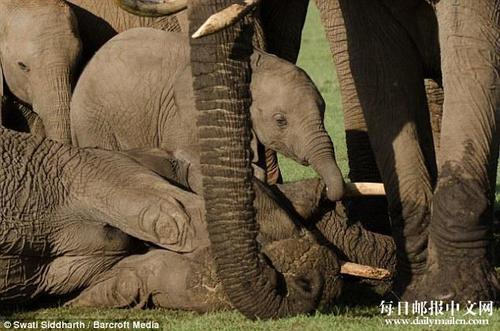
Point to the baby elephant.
(137, 93)
(39, 50)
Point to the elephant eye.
(280, 120)
(23, 66)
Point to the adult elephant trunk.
(221, 71)
(51, 96)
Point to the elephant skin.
(137, 93)
(54, 193)
(39, 52)
(101, 20)
(72, 247)
(66, 236)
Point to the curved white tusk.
(362, 189)
(225, 18)
(359, 270)
(152, 8)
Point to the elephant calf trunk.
(333, 179)
(323, 162)
(51, 101)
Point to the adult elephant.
(441, 256)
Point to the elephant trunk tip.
(335, 189)
(329, 171)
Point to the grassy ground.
(348, 319)
(315, 59)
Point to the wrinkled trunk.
(221, 72)
(51, 98)
(322, 158)
(358, 245)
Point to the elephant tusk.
(152, 8)
(364, 271)
(363, 189)
(225, 18)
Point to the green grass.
(315, 59)
(361, 318)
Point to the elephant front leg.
(362, 165)
(460, 231)
(388, 77)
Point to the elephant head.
(287, 111)
(39, 50)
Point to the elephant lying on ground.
(60, 235)
(39, 52)
(137, 92)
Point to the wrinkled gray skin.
(101, 20)
(52, 193)
(39, 51)
(67, 238)
(440, 212)
(137, 92)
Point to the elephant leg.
(282, 23)
(19, 278)
(387, 75)
(460, 230)
(362, 165)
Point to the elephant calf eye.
(23, 66)
(280, 120)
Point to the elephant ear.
(258, 163)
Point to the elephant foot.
(406, 287)
(460, 280)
